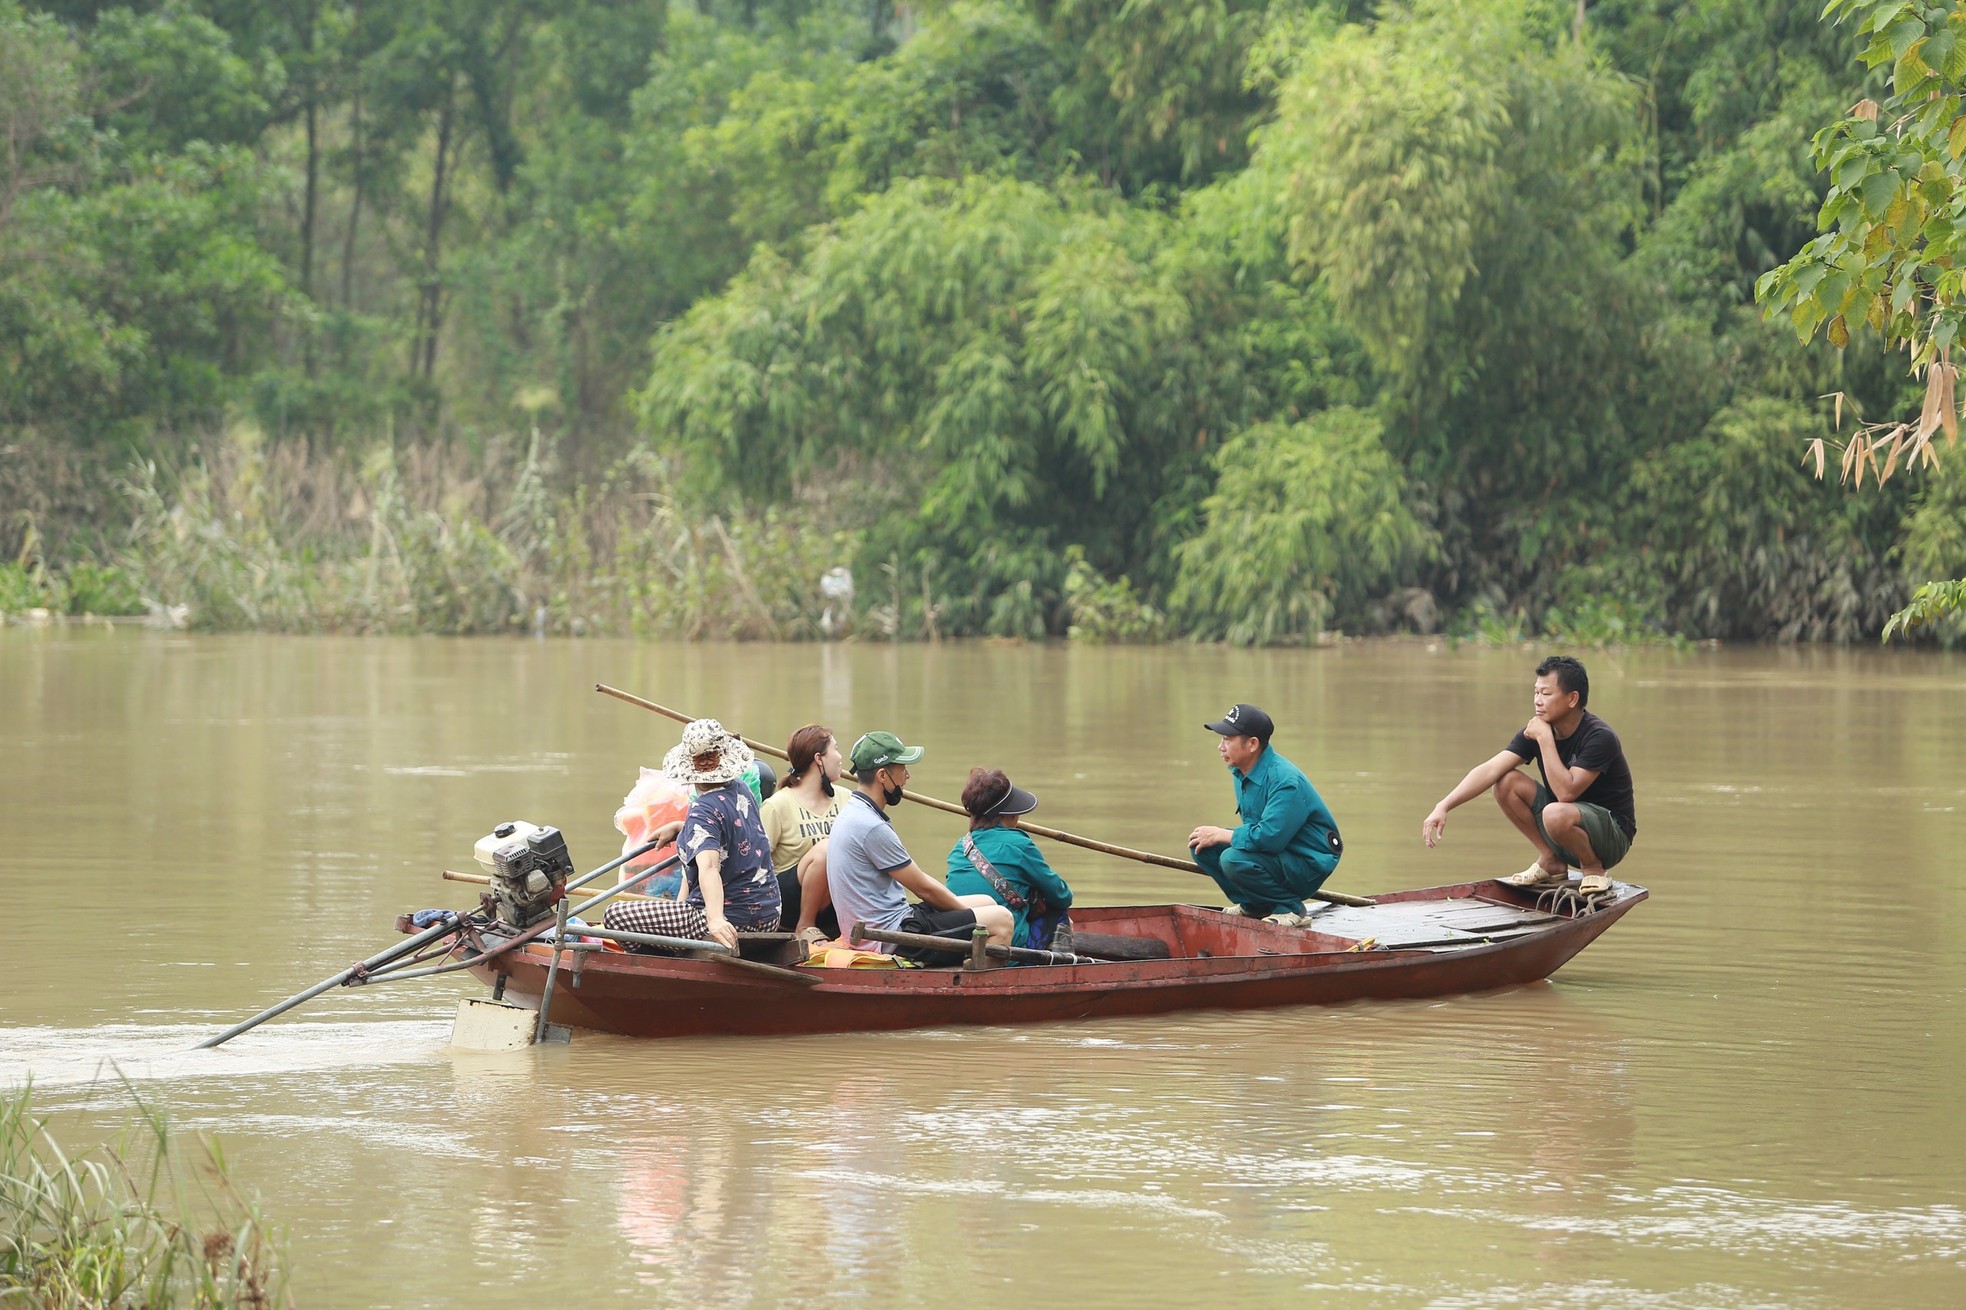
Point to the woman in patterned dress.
(729, 884)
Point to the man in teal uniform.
(1287, 844)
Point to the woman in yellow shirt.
(797, 819)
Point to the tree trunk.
(307, 207)
(430, 312)
(312, 92)
(355, 206)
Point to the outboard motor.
(529, 866)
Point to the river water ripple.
(1744, 1095)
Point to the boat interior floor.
(1192, 931)
(1409, 925)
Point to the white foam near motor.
(499, 1026)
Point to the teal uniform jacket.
(1017, 858)
(1284, 818)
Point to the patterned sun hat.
(707, 753)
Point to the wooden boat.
(1437, 941)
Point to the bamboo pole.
(1035, 829)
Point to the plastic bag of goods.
(653, 801)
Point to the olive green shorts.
(1608, 840)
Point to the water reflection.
(1243, 1129)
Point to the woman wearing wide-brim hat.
(998, 859)
(729, 884)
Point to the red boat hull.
(1219, 962)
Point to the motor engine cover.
(529, 867)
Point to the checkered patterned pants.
(667, 918)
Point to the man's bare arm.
(1482, 777)
(925, 888)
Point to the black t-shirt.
(1593, 746)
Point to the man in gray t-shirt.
(869, 871)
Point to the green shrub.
(102, 589)
(1307, 520)
(1933, 546)
(1598, 621)
(27, 586)
(1484, 624)
(1941, 604)
(1103, 611)
(1749, 544)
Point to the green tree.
(1889, 253)
(1005, 368)
(1464, 181)
(1158, 97)
(133, 285)
(171, 77)
(1307, 521)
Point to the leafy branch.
(1891, 250)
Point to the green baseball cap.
(875, 749)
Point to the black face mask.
(892, 795)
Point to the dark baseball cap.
(1243, 721)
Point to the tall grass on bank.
(129, 1226)
(276, 540)
(253, 535)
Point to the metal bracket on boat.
(471, 937)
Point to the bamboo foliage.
(1307, 521)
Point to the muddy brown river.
(1748, 1093)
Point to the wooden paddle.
(1035, 829)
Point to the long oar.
(1035, 829)
(396, 952)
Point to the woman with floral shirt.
(730, 885)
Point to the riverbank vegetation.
(131, 1225)
(1229, 320)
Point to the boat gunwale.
(656, 971)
